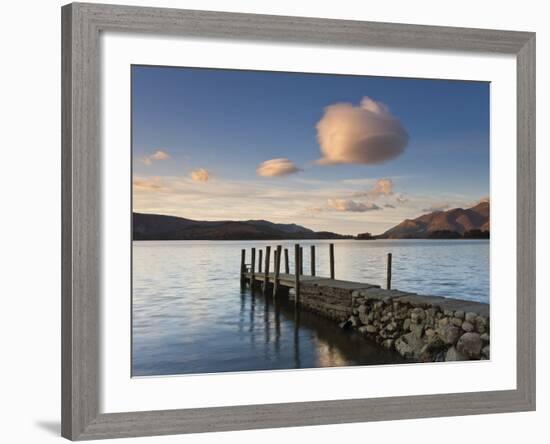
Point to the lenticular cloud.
(276, 167)
(364, 134)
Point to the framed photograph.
(278, 221)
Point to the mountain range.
(456, 223)
(452, 224)
(160, 227)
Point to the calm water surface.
(191, 316)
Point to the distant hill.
(456, 223)
(160, 227)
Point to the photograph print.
(287, 220)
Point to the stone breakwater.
(419, 328)
(423, 328)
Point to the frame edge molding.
(81, 25)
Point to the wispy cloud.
(401, 198)
(157, 155)
(352, 205)
(364, 134)
(277, 167)
(200, 175)
(149, 184)
(382, 187)
(436, 207)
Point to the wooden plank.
(313, 260)
(287, 265)
(252, 266)
(388, 272)
(297, 274)
(266, 268)
(243, 266)
(277, 270)
(331, 258)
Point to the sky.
(348, 154)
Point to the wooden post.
(277, 268)
(261, 252)
(301, 261)
(331, 255)
(297, 274)
(313, 260)
(252, 266)
(388, 273)
(243, 266)
(287, 266)
(266, 270)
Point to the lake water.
(191, 316)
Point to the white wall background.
(30, 219)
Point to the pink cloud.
(200, 175)
(364, 134)
(277, 167)
(351, 205)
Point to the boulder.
(431, 349)
(486, 352)
(471, 317)
(485, 338)
(355, 322)
(429, 333)
(371, 329)
(408, 346)
(456, 321)
(481, 324)
(418, 316)
(454, 355)
(470, 345)
(417, 329)
(459, 314)
(449, 334)
(467, 326)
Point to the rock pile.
(422, 328)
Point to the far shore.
(322, 239)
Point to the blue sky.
(200, 137)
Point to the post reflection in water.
(297, 363)
(324, 343)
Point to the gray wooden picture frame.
(81, 174)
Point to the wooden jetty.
(323, 294)
(419, 327)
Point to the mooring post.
(243, 266)
(287, 266)
(252, 266)
(266, 270)
(301, 260)
(297, 274)
(331, 256)
(388, 273)
(260, 261)
(277, 268)
(313, 260)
